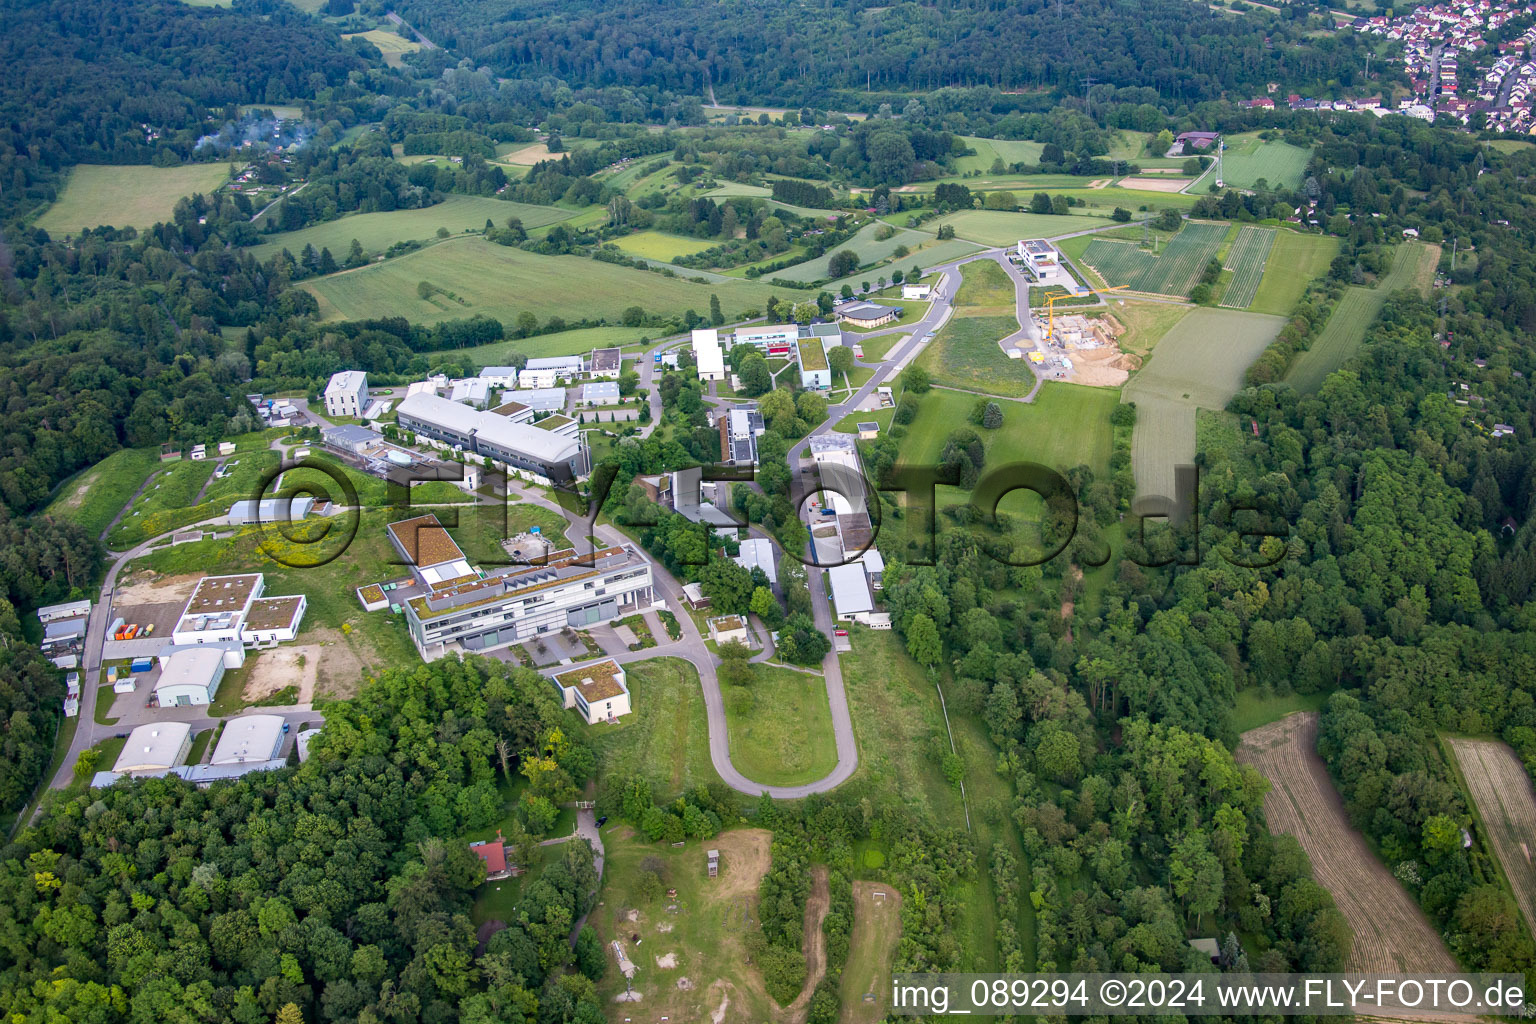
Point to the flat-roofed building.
(815, 371)
(68, 610)
(236, 610)
(707, 357)
(155, 747)
(434, 557)
(190, 677)
(776, 339)
(850, 592)
(868, 314)
(758, 553)
(605, 363)
(740, 427)
(500, 376)
(471, 391)
(600, 393)
(349, 437)
(347, 393)
(597, 691)
(558, 457)
(250, 511)
(249, 738)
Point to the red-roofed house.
(494, 854)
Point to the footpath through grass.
(93, 496)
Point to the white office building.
(347, 393)
(707, 357)
(509, 438)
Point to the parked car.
(602, 821)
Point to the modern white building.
(537, 379)
(249, 738)
(776, 340)
(500, 376)
(600, 393)
(234, 609)
(347, 393)
(850, 592)
(155, 747)
(916, 291)
(510, 437)
(272, 510)
(815, 370)
(190, 677)
(740, 427)
(598, 691)
(707, 357)
(546, 371)
(471, 391)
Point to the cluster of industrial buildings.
(249, 743)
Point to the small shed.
(714, 863)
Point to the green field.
(780, 727)
(164, 505)
(658, 245)
(1341, 336)
(1199, 364)
(126, 196)
(1255, 707)
(966, 355)
(1067, 425)
(664, 740)
(392, 46)
(1294, 261)
(1173, 271)
(563, 343)
(92, 497)
(378, 231)
(863, 244)
(502, 282)
(988, 150)
(1002, 227)
(1249, 158)
(985, 285)
(1246, 260)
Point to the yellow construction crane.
(1050, 305)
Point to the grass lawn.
(1255, 707)
(987, 150)
(562, 343)
(475, 276)
(93, 496)
(869, 249)
(985, 287)
(497, 901)
(1003, 227)
(1295, 260)
(1067, 425)
(663, 741)
(127, 196)
(166, 504)
(378, 231)
(200, 742)
(780, 727)
(1249, 158)
(966, 355)
(659, 245)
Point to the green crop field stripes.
(1174, 271)
(1250, 252)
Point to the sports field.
(1412, 266)
(126, 196)
(1174, 271)
(988, 150)
(393, 47)
(1198, 364)
(502, 282)
(1004, 227)
(1294, 261)
(863, 244)
(659, 245)
(1246, 260)
(1249, 158)
(378, 231)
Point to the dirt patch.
(668, 962)
(527, 156)
(1391, 934)
(340, 667)
(148, 587)
(725, 1002)
(814, 945)
(744, 860)
(663, 928)
(1155, 184)
(281, 667)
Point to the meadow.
(137, 196)
(988, 150)
(863, 244)
(1294, 260)
(1173, 271)
(1003, 227)
(1342, 335)
(985, 287)
(966, 355)
(780, 727)
(392, 46)
(562, 343)
(1249, 158)
(664, 741)
(502, 282)
(658, 245)
(93, 496)
(376, 232)
(1246, 260)
(1067, 425)
(1500, 788)
(1199, 363)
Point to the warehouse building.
(190, 677)
(156, 747)
(250, 738)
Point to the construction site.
(1083, 349)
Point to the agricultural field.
(93, 496)
(989, 150)
(376, 232)
(1145, 323)
(863, 244)
(1412, 266)
(664, 741)
(1174, 271)
(1391, 934)
(1506, 805)
(781, 727)
(135, 196)
(392, 46)
(1249, 158)
(1003, 227)
(1246, 260)
(966, 355)
(475, 276)
(1199, 363)
(563, 343)
(1294, 261)
(658, 245)
(871, 947)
